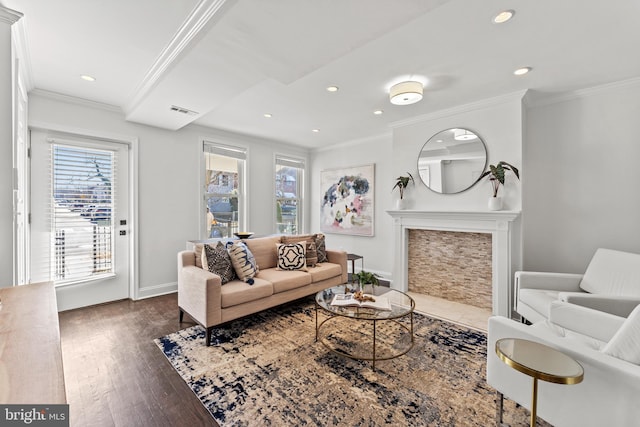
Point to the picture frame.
(347, 205)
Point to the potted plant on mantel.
(402, 182)
(497, 174)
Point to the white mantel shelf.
(504, 227)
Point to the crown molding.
(465, 108)
(9, 16)
(75, 100)
(201, 15)
(538, 99)
(352, 142)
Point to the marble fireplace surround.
(504, 227)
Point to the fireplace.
(468, 257)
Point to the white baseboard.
(157, 290)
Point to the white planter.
(401, 204)
(495, 203)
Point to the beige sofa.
(203, 297)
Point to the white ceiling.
(233, 61)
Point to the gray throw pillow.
(219, 262)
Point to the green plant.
(402, 182)
(497, 173)
(366, 277)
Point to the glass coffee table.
(394, 340)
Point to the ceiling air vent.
(183, 110)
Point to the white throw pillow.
(625, 344)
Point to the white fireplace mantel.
(504, 227)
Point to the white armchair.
(611, 283)
(599, 341)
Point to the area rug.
(268, 370)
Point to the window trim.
(234, 151)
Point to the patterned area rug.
(267, 370)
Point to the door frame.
(132, 142)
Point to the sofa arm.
(199, 294)
(593, 323)
(552, 281)
(613, 304)
(339, 257)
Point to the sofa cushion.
(310, 250)
(264, 250)
(238, 292)
(291, 256)
(198, 249)
(625, 344)
(613, 273)
(321, 248)
(285, 280)
(243, 261)
(219, 262)
(325, 271)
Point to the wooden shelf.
(30, 352)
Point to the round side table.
(540, 362)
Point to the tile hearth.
(455, 312)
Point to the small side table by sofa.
(539, 362)
(353, 258)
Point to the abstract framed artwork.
(347, 200)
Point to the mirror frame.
(439, 136)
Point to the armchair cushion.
(625, 344)
(612, 272)
(591, 323)
(615, 304)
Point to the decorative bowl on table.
(243, 234)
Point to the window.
(223, 193)
(82, 202)
(289, 184)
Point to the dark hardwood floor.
(115, 375)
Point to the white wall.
(581, 189)
(377, 250)
(6, 156)
(497, 121)
(169, 169)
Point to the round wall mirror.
(452, 160)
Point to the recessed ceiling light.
(315, 130)
(522, 71)
(503, 16)
(268, 115)
(88, 78)
(378, 112)
(332, 89)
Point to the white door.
(80, 218)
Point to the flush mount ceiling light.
(378, 112)
(463, 135)
(503, 16)
(268, 115)
(315, 130)
(87, 78)
(405, 93)
(332, 89)
(522, 71)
